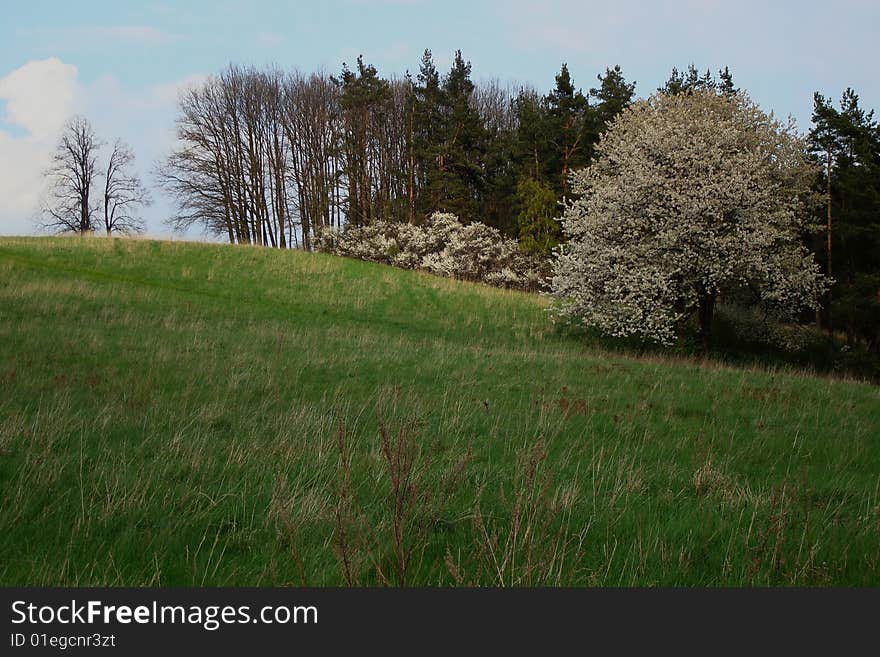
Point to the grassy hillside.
(183, 414)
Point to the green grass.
(172, 414)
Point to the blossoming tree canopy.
(692, 195)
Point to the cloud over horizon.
(39, 97)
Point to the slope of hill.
(190, 414)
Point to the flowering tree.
(692, 195)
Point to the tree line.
(273, 157)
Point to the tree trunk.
(412, 169)
(705, 312)
(828, 238)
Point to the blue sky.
(122, 62)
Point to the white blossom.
(443, 246)
(691, 195)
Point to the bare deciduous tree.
(258, 158)
(123, 192)
(72, 174)
(312, 123)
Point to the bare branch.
(68, 203)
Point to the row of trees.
(272, 157)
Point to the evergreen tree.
(363, 94)
(460, 177)
(530, 142)
(613, 95)
(556, 135)
(568, 129)
(846, 142)
(539, 230)
(725, 82)
(691, 81)
(429, 130)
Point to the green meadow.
(181, 414)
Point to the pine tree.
(460, 158)
(846, 142)
(725, 84)
(692, 81)
(363, 93)
(568, 129)
(614, 95)
(530, 143)
(429, 130)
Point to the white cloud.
(39, 98)
(41, 95)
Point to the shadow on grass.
(818, 354)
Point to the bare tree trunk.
(828, 236)
(412, 165)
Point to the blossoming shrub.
(444, 246)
